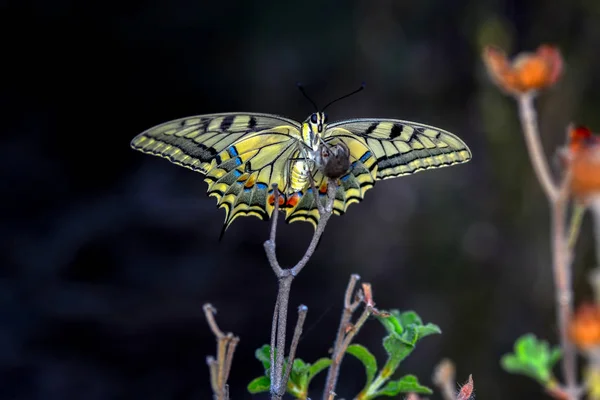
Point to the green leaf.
(406, 384)
(555, 356)
(299, 373)
(367, 359)
(408, 318)
(426, 330)
(259, 385)
(532, 358)
(318, 366)
(263, 354)
(397, 350)
(391, 323)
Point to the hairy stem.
(336, 360)
(532, 140)
(285, 277)
(561, 258)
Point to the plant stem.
(561, 259)
(285, 277)
(532, 139)
(220, 368)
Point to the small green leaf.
(397, 350)
(555, 356)
(318, 366)
(532, 358)
(263, 354)
(426, 330)
(406, 384)
(391, 323)
(408, 318)
(368, 360)
(299, 374)
(259, 385)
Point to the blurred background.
(109, 254)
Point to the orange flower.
(527, 72)
(584, 327)
(582, 155)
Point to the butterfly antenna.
(362, 86)
(301, 87)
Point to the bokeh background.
(109, 254)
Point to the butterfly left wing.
(240, 154)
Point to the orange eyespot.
(281, 201)
(293, 200)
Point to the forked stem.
(221, 366)
(285, 277)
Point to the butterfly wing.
(403, 147)
(380, 149)
(241, 155)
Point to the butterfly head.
(313, 128)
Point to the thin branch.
(558, 197)
(575, 225)
(347, 331)
(564, 293)
(221, 366)
(529, 124)
(302, 310)
(285, 277)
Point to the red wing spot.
(323, 188)
(293, 200)
(271, 200)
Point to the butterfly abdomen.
(299, 174)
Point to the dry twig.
(221, 366)
(347, 331)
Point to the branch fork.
(285, 277)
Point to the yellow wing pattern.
(403, 147)
(380, 149)
(243, 154)
(240, 154)
(194, 142)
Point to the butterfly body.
(242, 155)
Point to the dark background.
(109, 254)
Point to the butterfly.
(242, 154)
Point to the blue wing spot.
(345, 178)
(232, 152)
(237, 173)
(238, 161)
(262, 186)
(365, 157)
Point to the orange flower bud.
(527, 72)
(584, 327)
(583, 157)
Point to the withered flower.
(582, 155)
(584, 327)
(527, 72)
